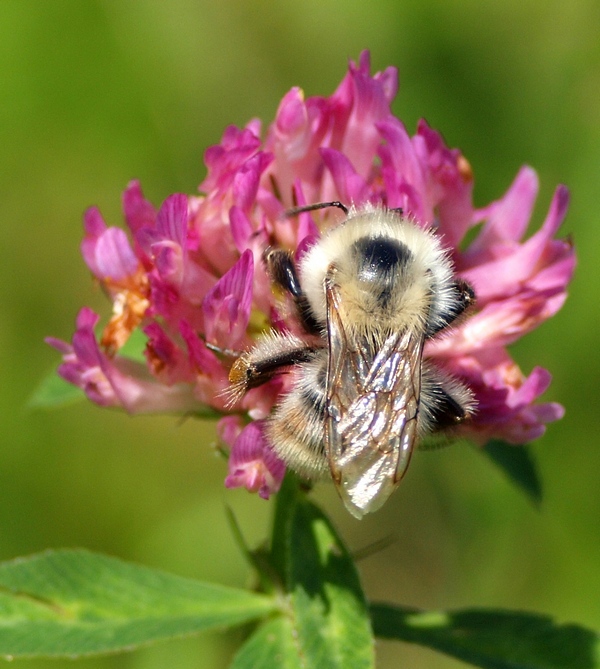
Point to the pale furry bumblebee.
(369, 294)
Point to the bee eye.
(379, 258)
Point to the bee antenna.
(311, 207)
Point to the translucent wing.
(372, 407)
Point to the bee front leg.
(453, 303)
(282, 271)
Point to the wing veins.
(372, 399)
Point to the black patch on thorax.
(380, 262)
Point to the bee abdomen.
(296, 428)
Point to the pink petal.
(402, 171)
(169, 261)
(94, 226)
(350, 185)
(241, 228)
(294, 125)
(172, 219)
(506, 219)
(60, 345)
(534, 386)
(246, 180)
(449, 184)
(558, 273)
(505, 274)
(138, 392)
(228, 429)
(114, 256)
(499, 323)
(370, 104)
(139, 213)
(225, 158)
(93, 222)
(168, 361)
(506, 407)
(227, 305)
(201, 358)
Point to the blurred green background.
(96, 93)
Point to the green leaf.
(285, 507)
(518, 464)
(53, 392)
(327, 606)
(272, 646)
(72, 602)
(492, 639)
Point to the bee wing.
(372, 399)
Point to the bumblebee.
(369, 294)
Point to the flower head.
(190, 275)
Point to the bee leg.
(446, 410)
(445, 402)
(282, 270)
(258, 366)
(456, 303)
